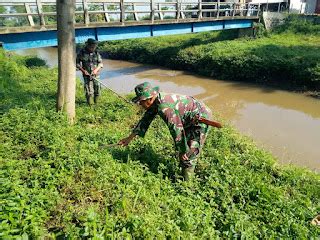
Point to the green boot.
(187, 173)
(89, 100)
(96, 98)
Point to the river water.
(284, 123)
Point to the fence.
(43, 12)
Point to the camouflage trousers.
(196, 136)
(91, 87)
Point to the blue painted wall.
(119, 33)
(237, 24)
(29, 40)
(207, 26)
(170, 29)
(16, 41)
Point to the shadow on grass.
(146, 155)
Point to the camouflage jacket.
(89, 61)
(178, 112)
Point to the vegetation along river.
(285, 123)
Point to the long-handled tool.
(109, 145)
(126, 100)
(94, 78)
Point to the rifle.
(209, 122)
(92, 77)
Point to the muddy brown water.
(284, 123)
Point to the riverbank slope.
(55, 181)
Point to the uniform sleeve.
(176, 129)
(100, 64)
(145, 122)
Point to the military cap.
(91, 41)
(144, 91)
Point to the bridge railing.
(43, 12)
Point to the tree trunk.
(66, 58)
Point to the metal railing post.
(85, 12)
(160, 12)
(234, 9)
(106, 15)
(243, 8)
(30, 18)
(122, 14)
(152, 10)
(135, 14)
(40, 12)
(178, 10)
(200, 9)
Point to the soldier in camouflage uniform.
(180, 114)
(89, 61)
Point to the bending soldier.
(180, 113)
(89, 62)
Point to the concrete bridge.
(32, 23)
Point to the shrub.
(35, 62)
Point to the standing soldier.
(183, 116)
(89, 62)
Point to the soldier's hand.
(184, 157)
(85, 72)
(95, 71)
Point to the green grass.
(289, 57)
(300, 24)
(56, 182)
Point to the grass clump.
(56, 182)
(161, 50)
(300, 24)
